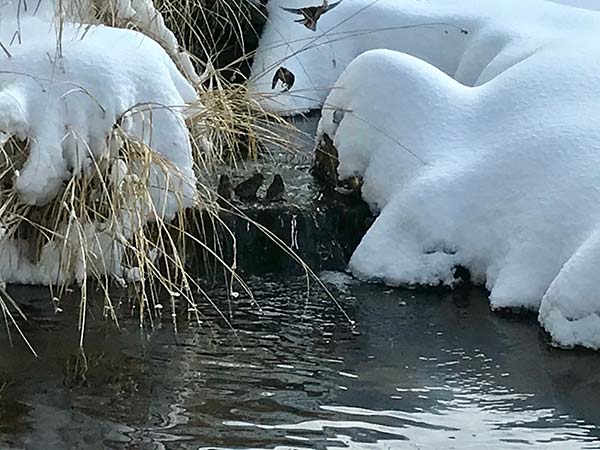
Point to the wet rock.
(326, 162)
(323, 233)
(314, 222)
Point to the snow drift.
(585, 4)
(470, 41)
(64, 88)
(479, 150)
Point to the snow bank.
(433, 31)
(484, 153)
(144, 15)
(64, 89)
(585, 4)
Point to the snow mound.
(145, 17)
(68, 107)
(484, 156)
(470, 41)
(585, 4)
(64, 89)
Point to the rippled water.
(420, 370)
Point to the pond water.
(420, 369)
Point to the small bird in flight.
(286, 77)
(312, 14)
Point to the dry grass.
(83, 225)
(221, 33)
(106, 230)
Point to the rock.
(326, 162)
(316, 223)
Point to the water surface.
(421, 369)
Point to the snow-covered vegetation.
(475, 134)
(88, 110)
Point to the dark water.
(420, 370)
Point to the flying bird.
(247, 189)
(286, 77)
(312, 14)
(276, 189)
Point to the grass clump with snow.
(107, 137)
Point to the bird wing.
(331, 6)
(271, 189)
(292, 10)
(276, 78)
(289, 77)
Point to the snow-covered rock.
(64, 87)
(480, 150)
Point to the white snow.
(478, 149)
(353, 27)
(432, 30)
(64, 88)
(585, 4)
(144, 15)
(339, 280)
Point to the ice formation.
(476, 139)
(64, 87)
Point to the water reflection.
(421, 369)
